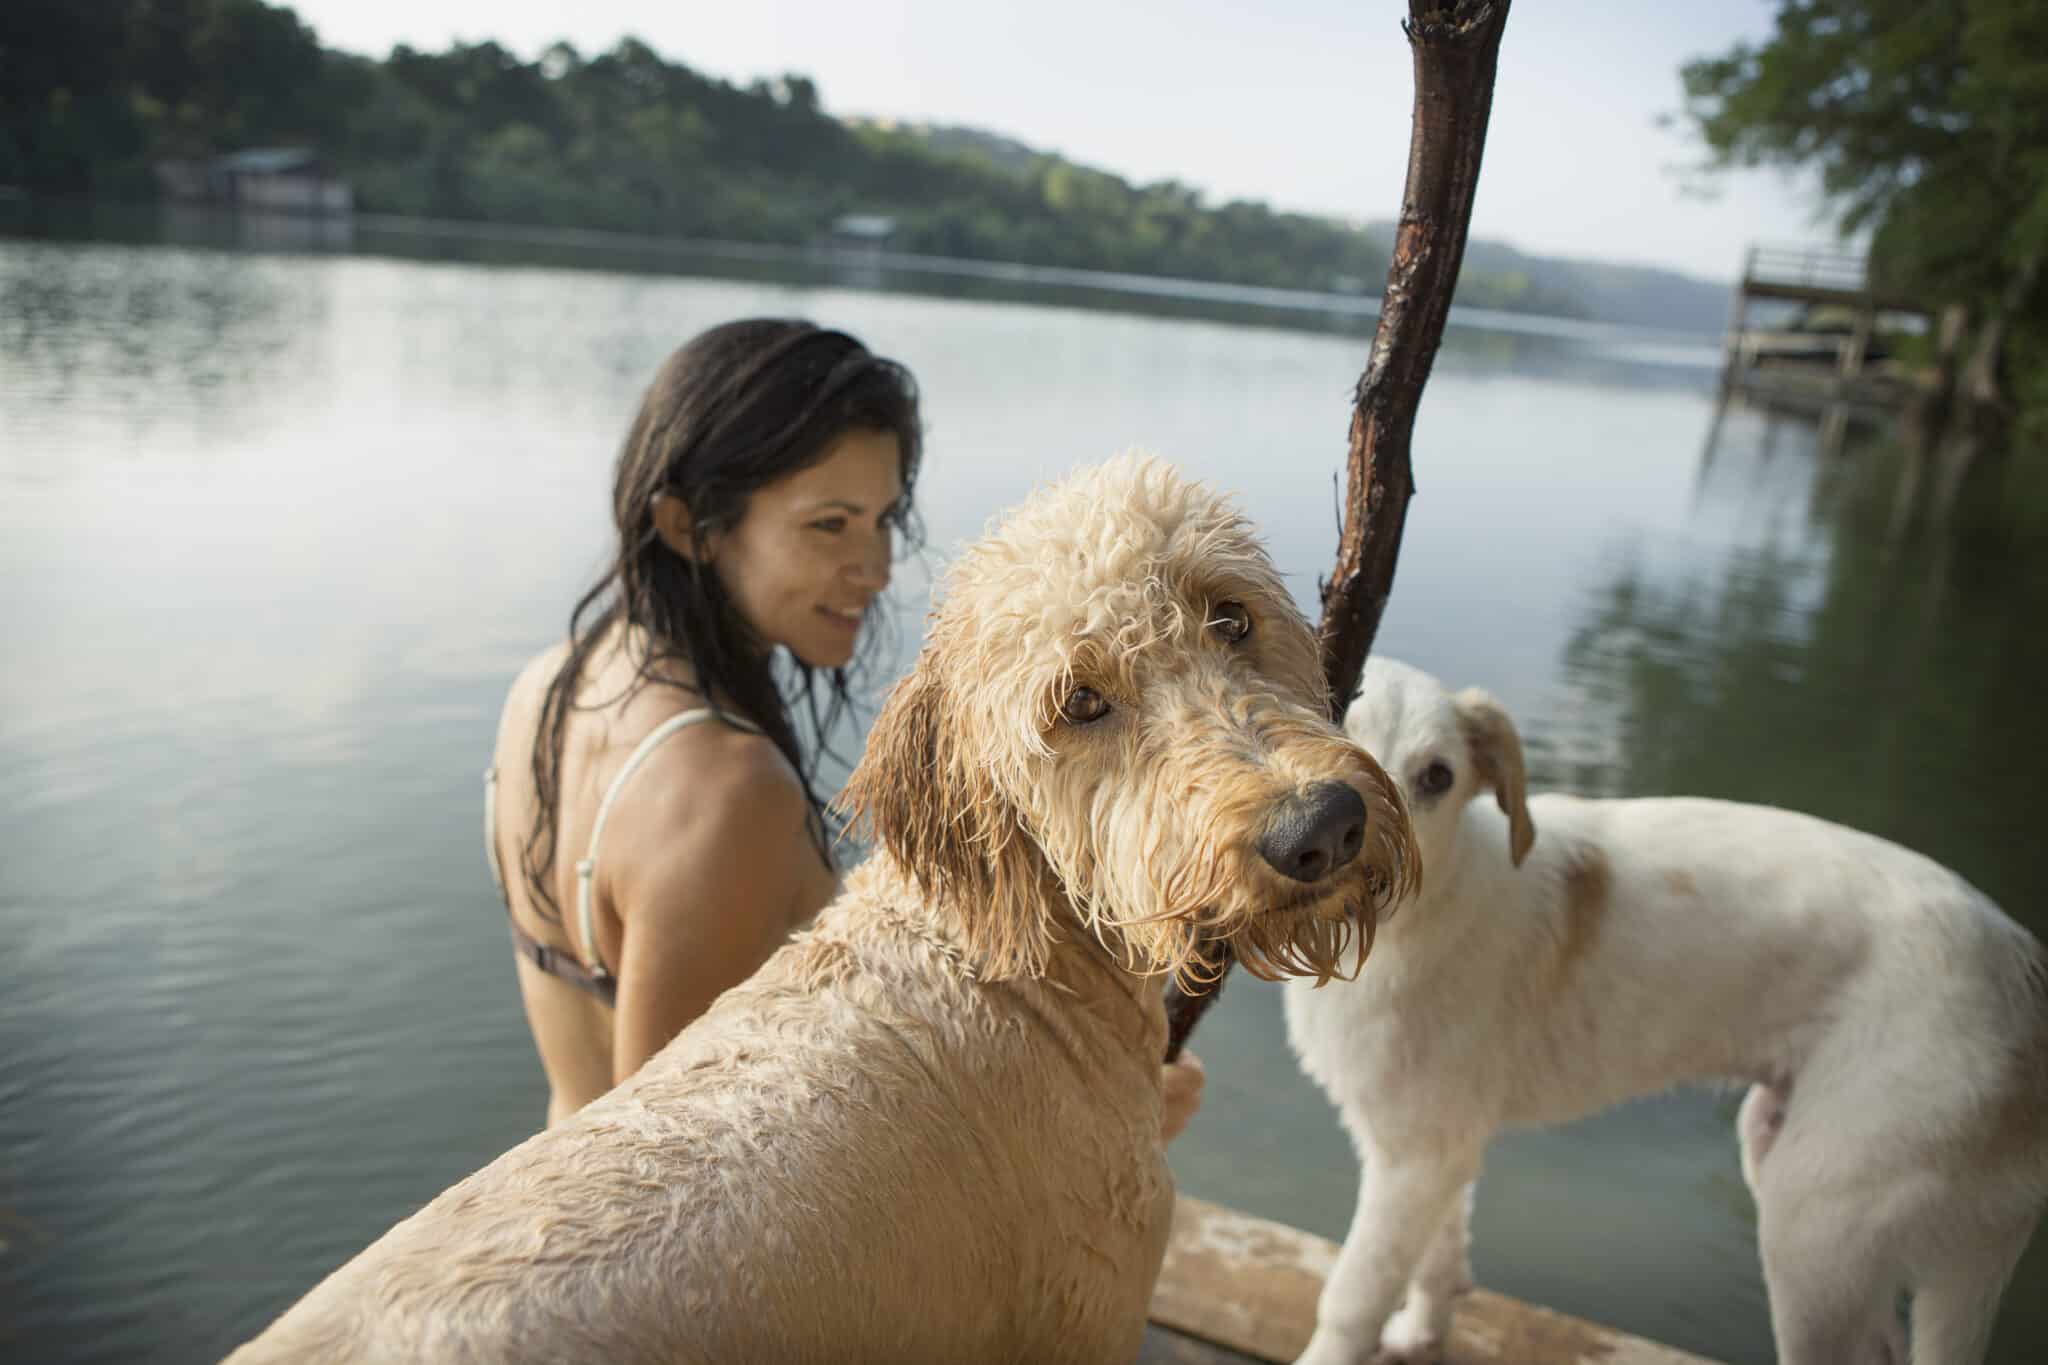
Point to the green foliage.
(1928, 123)
(95, 91)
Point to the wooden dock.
(1240, 1289)
(1786, 360)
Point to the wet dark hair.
(736, 409)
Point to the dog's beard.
(1321, 935)
(1310, 940)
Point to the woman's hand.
(1181, 1083)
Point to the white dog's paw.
(1327, 1347)
(1414, 1336)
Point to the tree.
(1456, 47)
(1928, 123)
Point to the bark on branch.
(1455, 44)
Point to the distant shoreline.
(851, 266)
(1008, 272)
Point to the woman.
(648, 783)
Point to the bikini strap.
(586, 868)
(491, 827)
(557, 962)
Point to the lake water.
(276, 529)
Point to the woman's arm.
(708, 886)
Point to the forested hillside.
(93, 95)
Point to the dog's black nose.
(1315, 832)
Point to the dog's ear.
(1497, 752)
(939, 813)
(891, 794)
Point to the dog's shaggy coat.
(929, 1128)
(1566, 954)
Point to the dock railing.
(1806, 268)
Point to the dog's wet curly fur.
(929, 1127)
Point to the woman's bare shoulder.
(540, 670)
(720, 773)
(709, 799)
(520, 716)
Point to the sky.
(1304, 104)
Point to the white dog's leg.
(1833, 1292)
(1416, 1335)
(1956, 1306)
(1403, 1203)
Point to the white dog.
(1890, 1018)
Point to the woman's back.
(684, 785)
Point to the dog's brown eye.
(1434, 780)
(1083, 706)
(1230, 621)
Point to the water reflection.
(1873, 666)
(1490, 339)
(1847, 665)
(106, 330)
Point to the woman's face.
(812, 549)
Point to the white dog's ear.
(941, 817)
(1497, 752)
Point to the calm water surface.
(276, 530)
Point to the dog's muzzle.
(1313, 833)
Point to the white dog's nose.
(1314, 832)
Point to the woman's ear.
(672, 524)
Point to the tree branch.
(1456, 45)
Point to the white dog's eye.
(1230, 621)
(1434, 780)
(1084, 706)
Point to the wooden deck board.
(1164, 1346)
(1250, 1285)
